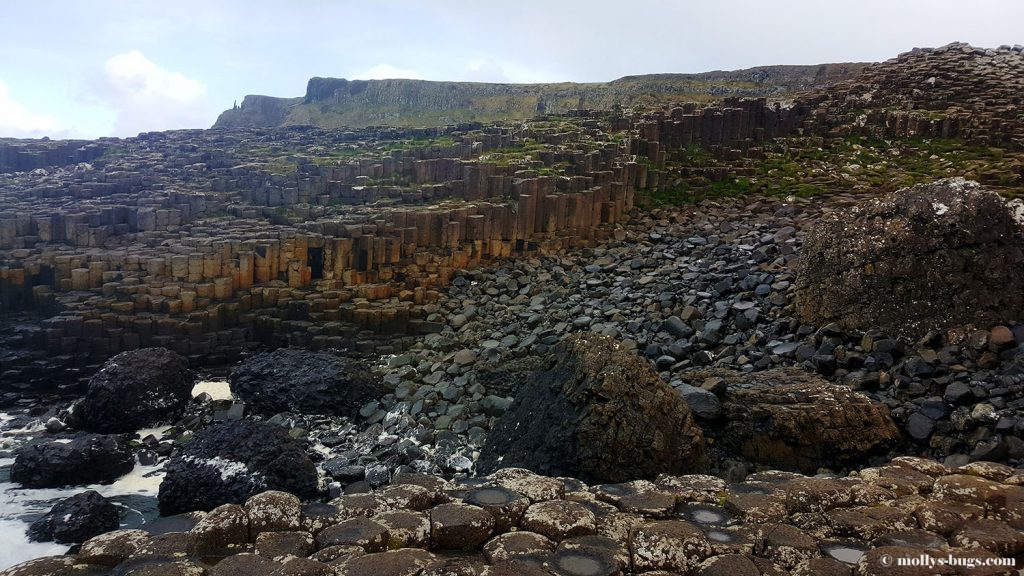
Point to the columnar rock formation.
(956, 90)
(514, 522)
(204, 241)
(169, 248)
(22, 156)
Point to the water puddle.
(845, 554)
(703, 515)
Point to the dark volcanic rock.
(924, 258)
(791, 419)
(88, 459)
(136, 389)
(76, 519)
(230, 462)
(596, 411)
(294, 380)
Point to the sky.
(87, 69)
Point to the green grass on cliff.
(811, 166)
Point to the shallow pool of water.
(845, 554)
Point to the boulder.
(136, 389)
(230, 462)
(76, 519)
(295, 380)
(87, 459)
(703, 403)
(597, 411)
(795, 420)
(930, 257)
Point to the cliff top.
(337, 102)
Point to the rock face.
(88, 459)
(228, 463)
(337, 102)
(925, 258)
(76, 519)
(294, 380)
(136, 389)
(596, 411)
(795, 420)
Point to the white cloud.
(17, 121)
(147, 97)
(134, 74)
(385, 71)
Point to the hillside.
(335, 103)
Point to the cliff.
(334, 102)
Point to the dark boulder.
(87, 459)
(595, 411)
(76, 519)
(930, 257)
(230, 462)
(136, 389)
(795, 420)
(294, 380)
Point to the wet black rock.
(76, 519)
(597, 412)
(136, 389)
(227, 463)
(294, 380)
(87, 459)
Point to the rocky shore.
(514, 522)
(492, 350)
(794, 459)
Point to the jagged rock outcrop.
(228, 463)
(136, 389)
(257, 111)
(87, 459)
(794, 420)
(291, 379)
(930, 257)
(599, 412)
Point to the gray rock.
(919, 426)
(957, 392)
(703, 403)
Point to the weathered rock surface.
(87, 459)
(76, 519)
(136, 389)
(295, 380)
(773, 523)
(930, 257)
(598, 412)
(228, 463)
(796, 420)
